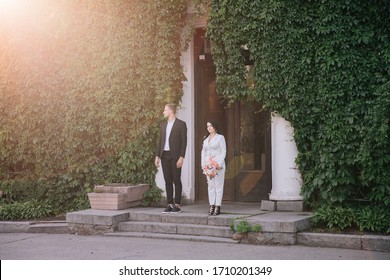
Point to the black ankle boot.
(217, 210)
(211, 209)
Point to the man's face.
(167, 112)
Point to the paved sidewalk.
(28, 246)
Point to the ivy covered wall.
(82, 88)
(82, 85)
(324, 66)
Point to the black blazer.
(177, 139)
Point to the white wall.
(286, 179)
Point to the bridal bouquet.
(210, 170)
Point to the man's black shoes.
(176, 209)
(168, 209)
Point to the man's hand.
(179, 163)
(157, 162)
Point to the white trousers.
(215, 188)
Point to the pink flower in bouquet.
(210, 170)
(213, 163)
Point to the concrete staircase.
(192, 224)
(180, 226)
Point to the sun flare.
(11, 8)
(6, 4)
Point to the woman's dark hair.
(214, 123)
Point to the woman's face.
(210, 128)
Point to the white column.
(187, 114)
(286, 179)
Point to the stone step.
(185, 218)
(180, 237)
(52, 227)
(175, 228)
(179, 218)
(216, 231)
(281, 222)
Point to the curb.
(345, 241)
(14, 227)
(330, 240)
(34, 227)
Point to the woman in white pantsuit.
(213, 165)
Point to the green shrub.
(373, 218)
(65, 193)
(256, 228)
(244, 227)
(154, 194)
(20, 190)
(333, 217)
(356, 214)
(29, 210)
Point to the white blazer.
(216, 149)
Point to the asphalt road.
(25, 246)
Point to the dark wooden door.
(208, 106)
(252, 152)
(246, 130)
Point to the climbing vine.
(82, 87)
(323, 66)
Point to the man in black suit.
(171, 148)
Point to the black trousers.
(172, 176)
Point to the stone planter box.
(116, 196)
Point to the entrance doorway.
(246, 130)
